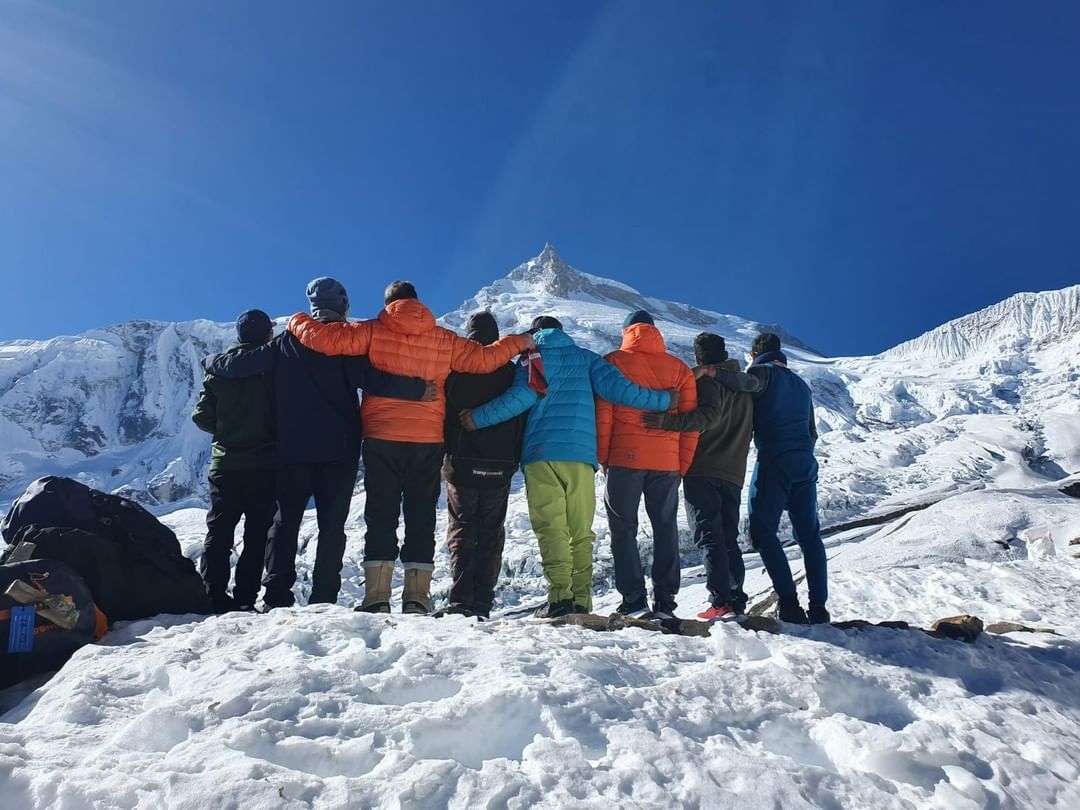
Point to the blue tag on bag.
(21, 632)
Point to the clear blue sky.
(857, 171)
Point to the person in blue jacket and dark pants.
(785, 476)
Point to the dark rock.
(960, 628)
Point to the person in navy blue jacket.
(785, 476)
(318, 440)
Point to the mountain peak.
(549, 273)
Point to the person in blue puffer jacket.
(559, 454)
(785, 476)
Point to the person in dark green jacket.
(713, 484)
(240, 416)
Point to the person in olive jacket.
(713, 485)
(318, 440)
(478, 468)
(240, 416)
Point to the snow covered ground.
(326, 708)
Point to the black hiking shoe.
(414, 608)
(553, 610)
(818, 614)
(583, 611)
(792, 613)
(455, 610)
(378, 607)
(638, 611)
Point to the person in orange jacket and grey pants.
(644, 461)
(403, 441)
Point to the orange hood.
(643, 337)
(407, 316)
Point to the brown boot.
(416, 597)
(378, 576)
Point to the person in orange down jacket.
(641, 460)
(403, 441)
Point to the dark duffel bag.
(69, 504)
(50, 614)
(110, 541)
(125, 585)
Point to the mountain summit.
(593, 308)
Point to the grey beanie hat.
(328, 293)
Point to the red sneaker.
(714, 613)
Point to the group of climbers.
(288, 427)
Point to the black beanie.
(253, 326)
(710, 349)
(544, 322)
(482, 328)
(328, 293)
(638, 316)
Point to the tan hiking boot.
(416, 597)
(378, 576)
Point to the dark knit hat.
(327, 293)
(544, 322)
(482, 328)
(638, 316)
(764, 343)
(398, 291)
(710, 349)
(253, 326)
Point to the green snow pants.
(562, 503)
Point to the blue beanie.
(253, 326)
(328, 293)
(638, 316)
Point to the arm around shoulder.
(475, 358)
(515, 400)
(335, 338)
(611, 384)
(754, 381)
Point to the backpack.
(30, 643)
(130, 560)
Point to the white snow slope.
(326, 708)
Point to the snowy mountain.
(946, 464)
(990, 398)
(111, 407)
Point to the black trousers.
(250, 494)
(401, 477)
(331, 485)
(476, 534)
(712, 507)
(625, 488)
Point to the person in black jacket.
(240, 415)
(478, 468)
(318, 441)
